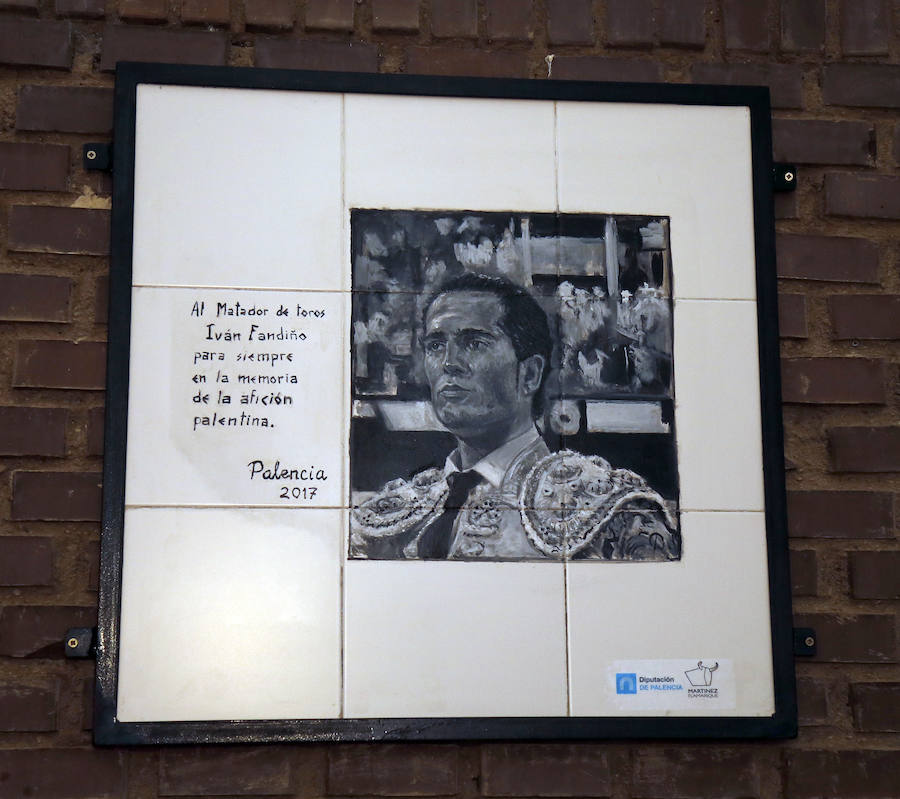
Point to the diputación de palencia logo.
(694, 683)
(632, 683)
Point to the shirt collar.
(493, 466)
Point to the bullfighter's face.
(477, 383)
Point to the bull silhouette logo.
(701, 677)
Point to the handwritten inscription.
(248, 362)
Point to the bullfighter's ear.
(531, 370)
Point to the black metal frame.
(107, 730)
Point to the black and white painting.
(512, 387)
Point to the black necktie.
(435, 541)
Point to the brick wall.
(833, 67)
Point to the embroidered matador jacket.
(530, 504)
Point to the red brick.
(67, 109)
(863, 638)
(806, 141)
(220, 772)
(27, 709)
(34, 167)
(88, 9)
(812, 703)
(876, 706)
(455, 61)
(629, 22)
(63, 773)
(394, 770)
(395, 15)
(804, 580)
(875, 85)
(876, 197)
(792, 316)
(841, 381)
(26, 560)
(454, 18)
(850, 775)
(694, 774)
(509, 19)
(33, 431)
(865, 316)
(330, 15)
(60, 364)
(95, 431)
(206, 12)
(35, 298)
(269, 14)
(545, 770)
(36, 43)
(38, 631)
(121, 43)
(832, 258)
(802, 26)
(56, 496)
(865, 27)
(786, 205)
(840, 514)
(101, 300)
(589, 67)
(683, 23)
(22, 6)
(92, 559)
(875, 575)
(785, 81)
(47, 228)
(100, 183)
(87, 705)
(309, 54)
(746, 25)
(570, 22)
(144, 10)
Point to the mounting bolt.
(804, 642)
(79, 642)
(97, 156)
(784, 177)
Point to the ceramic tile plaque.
(441, 409)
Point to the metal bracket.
(784, 177)
(97, 156)
(79, 642)
(804, 642)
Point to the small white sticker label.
(672, 684)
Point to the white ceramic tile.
(230, 614)
(691, 163)
(454, 639)
(717, 405)
(713, 603)
(449, 153)
(238, 188)
(259, 449)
